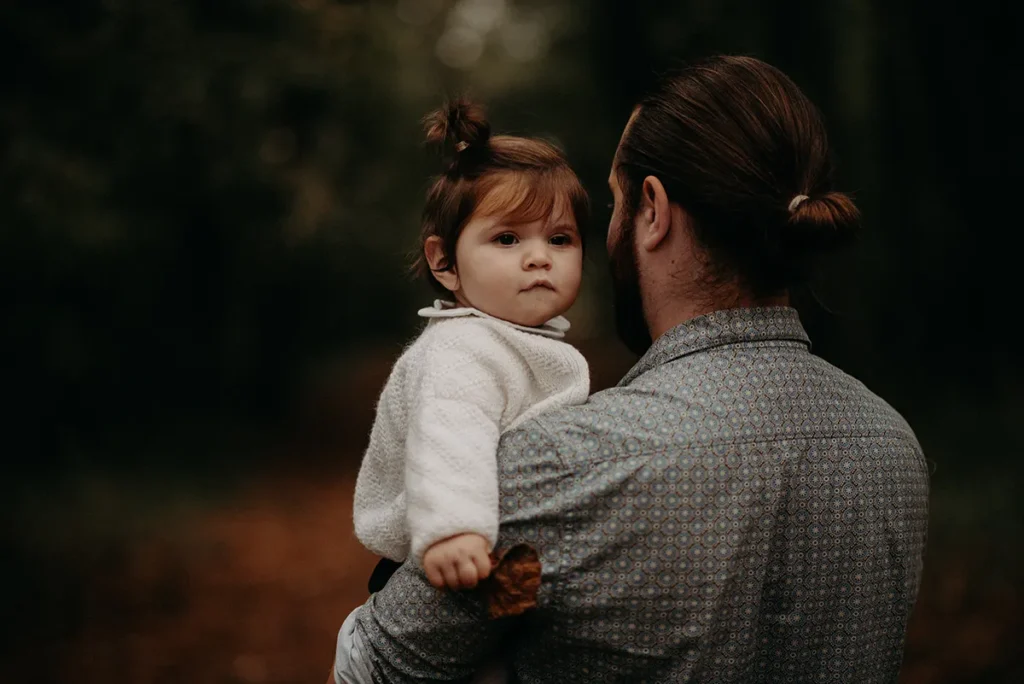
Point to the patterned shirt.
(735, 510)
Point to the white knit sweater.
(430, 471)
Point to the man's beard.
(629, 309)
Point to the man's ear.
(433, 251)
(655, 219)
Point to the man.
(736, 509)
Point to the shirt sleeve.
(411, 632)
(454, 426)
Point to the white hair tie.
(796, 202)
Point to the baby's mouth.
(544, 284)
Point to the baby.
(502, 242)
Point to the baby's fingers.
(451, 573)
(483, 564)
(434, 574)
(468, 573)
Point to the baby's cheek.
(574, 268)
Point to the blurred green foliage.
(206, 202)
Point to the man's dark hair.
(736, 143)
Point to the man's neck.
(665, 313)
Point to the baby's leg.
(382, 573)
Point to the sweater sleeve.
(454, 427)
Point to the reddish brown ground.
(254, 592)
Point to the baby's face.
(524, 273)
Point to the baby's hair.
(520, 179)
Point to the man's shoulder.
(602, 424)
(838, 395)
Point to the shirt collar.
(555, 328)
(728, 326)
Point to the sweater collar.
(555, 328)
(728, 326)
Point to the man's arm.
(410, 631)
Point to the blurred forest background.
(207, 212)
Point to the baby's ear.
(433, 251)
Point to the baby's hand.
(458, 562)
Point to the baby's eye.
(506, 239)
(561, 240)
